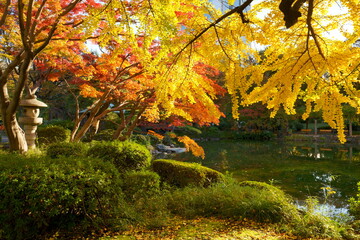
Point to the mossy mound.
(183, 174)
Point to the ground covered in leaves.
(205, 228)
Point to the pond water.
(328, 172)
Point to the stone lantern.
(30, 118)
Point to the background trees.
(54, 33)
(27, 28)
(167, 40)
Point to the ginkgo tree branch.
(221, 45)
(238, 9)
(311, 29)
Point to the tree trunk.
(350, 128)
(15, 134)
(9, 106)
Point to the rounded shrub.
(183, 174)
(135, 156)
(52, 134)
(140, 184)
(41, 196)
(124, 155)
(66, 149)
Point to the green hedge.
(52, 134)
(66, 149)
(39, 196)
(140, 185)
(125, 156)
(183, 174)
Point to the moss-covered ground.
(205, 229)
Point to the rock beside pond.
(169, 149)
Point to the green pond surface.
(300, 169)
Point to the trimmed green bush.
(39, 196)
(52, 134)
(182, 174)
(142, 184)
(66, 149)
(125, 156)
(135, 156)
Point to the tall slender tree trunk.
(350, 128)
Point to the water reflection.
(300, 169)
(320, 152)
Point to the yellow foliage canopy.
(316, 60)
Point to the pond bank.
(327, 138)
(300, 168)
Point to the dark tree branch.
(311, 29)
(238, 9)
(290, 9)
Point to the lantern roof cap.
(31, 101)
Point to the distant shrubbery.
(188, 131)
(67, 124)
(259, 136)
(141, 139)
(52, 134)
